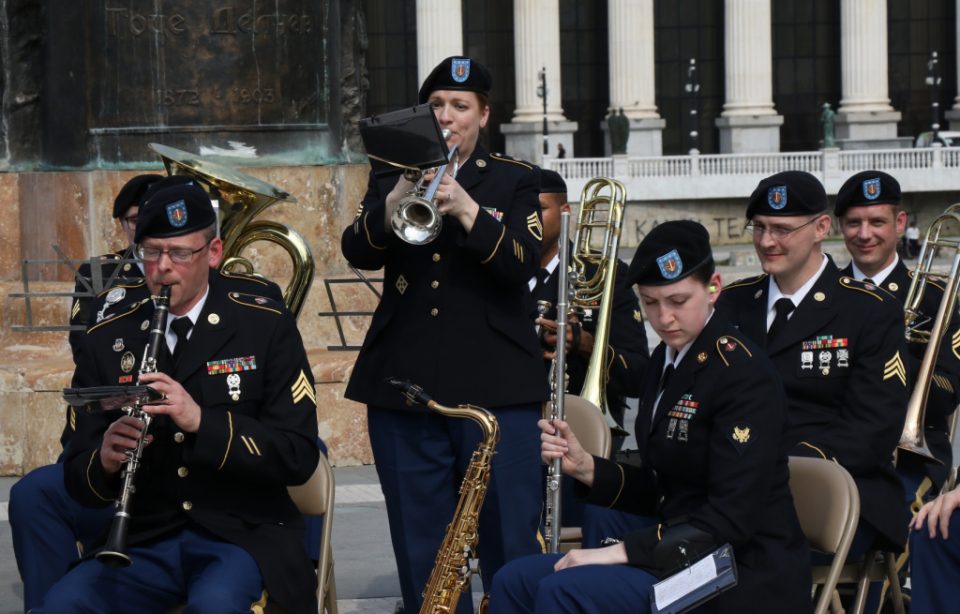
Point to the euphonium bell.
(416, 219)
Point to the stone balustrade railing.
(716, 176)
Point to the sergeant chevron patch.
(302, 388)
(955, 344)
(534, 226)
(895, 368)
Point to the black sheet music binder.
(407, 138)
(107, 398)
(695, 585)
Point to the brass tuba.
(598, 237)
(912, 440)
(242, 198)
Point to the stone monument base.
(525, 139)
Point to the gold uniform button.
(436, 257)
(183, 472)
(178, 437)
(434, 284)
(187, 506)
(434, 311)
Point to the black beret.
(551, 182)
(457, 73)
(788, 193)
(166, 182)
(175, 211)
(670, 252)
(867, 188)
(131, 193)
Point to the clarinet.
(114, 550)
(558, 374)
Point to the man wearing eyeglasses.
(838, 344)
(48, 527)
(211, 522)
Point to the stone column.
(439, 34)
(749, 123)
(536, 42)
(632, 82)
(865, 118)
(953, 115)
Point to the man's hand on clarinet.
(120, 437)
(178, 404)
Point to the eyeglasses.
(180, 255)
(776, 232)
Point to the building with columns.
(764, 69)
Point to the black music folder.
(107, 398)
(695, 585)
(407, 138)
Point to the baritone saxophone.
(451, 570)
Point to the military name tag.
(232, 365)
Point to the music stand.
(108, 398)
(406, 139)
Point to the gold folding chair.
(828, 506)
(315, 497)
(593, 433)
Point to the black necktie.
(542, 276)
(181, 327)
(867, 280)
(784, 307)
(665, 378)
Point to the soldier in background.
(838, 344)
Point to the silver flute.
(558, 377)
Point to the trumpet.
(912, 440)
(114, 550)
(416, 219)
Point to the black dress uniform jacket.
(842, 358)
(945, 383)
(627, 351)
(135, 290)
(715, 458)
(452, 316)
(231, 476)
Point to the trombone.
(912, 440)
(595, 247)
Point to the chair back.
(588, 424)
(315, 496)
(828, 506)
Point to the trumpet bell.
(416, 220)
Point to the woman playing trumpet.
(713, 471)
(452, 319)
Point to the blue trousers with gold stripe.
(421, 458)
(192, 566)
